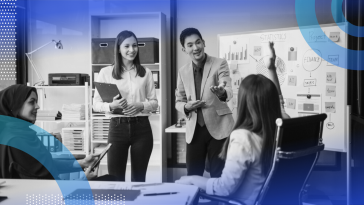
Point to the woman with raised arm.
(249, 149)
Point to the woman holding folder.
(138, 97)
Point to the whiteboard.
(301, 70)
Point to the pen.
(162, 193)
(188, 199)
(143, 185)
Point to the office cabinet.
(49, 99)
(146, 26)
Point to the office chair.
(298, 142)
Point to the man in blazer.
(203, 88)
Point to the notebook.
(115, 195)
(107, 93)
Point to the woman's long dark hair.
(258, 108)
(118, 62)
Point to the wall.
(59, 20)
(68, 21)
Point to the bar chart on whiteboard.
(235, 50)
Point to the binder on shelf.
(156, 79)
(51, 143)
(57, 142)
(45, 141)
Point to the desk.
(178, 145)
(20, 190)
(174, 129)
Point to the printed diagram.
(311, 60)
(280, 65)
(234, 49)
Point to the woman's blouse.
(132, 87)
(242, 177)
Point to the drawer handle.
(103, 44)
(141, 44)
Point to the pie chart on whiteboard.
(280, 65)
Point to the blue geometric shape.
(351, 29)
(307, 21)
(10, 126)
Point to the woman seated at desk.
(20, 101)
(250, 146)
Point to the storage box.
(103, 50)
(148, 50)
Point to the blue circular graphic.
(307, 22)
(351, 29)
(12, 130)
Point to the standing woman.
(133, 130)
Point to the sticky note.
(292, 80)
(330, 77)
(257, 50)
(333, 60)
(292, 53)
(309, 82)
(291, 103)
(330, 107)
(331, 91)
(334, 36)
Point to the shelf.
(129, 164)
(173, 129)
(99, 141)
(99, 117)
(103, 118)
(55, 87)
(143, 64)
(152, 64)
(105, 141)
(61, 121)
(78, 152)
(100, 64)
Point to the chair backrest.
(297, 147)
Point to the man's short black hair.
(188, 32)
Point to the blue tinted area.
(306, 15)
(352, 29)
(11, 128)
